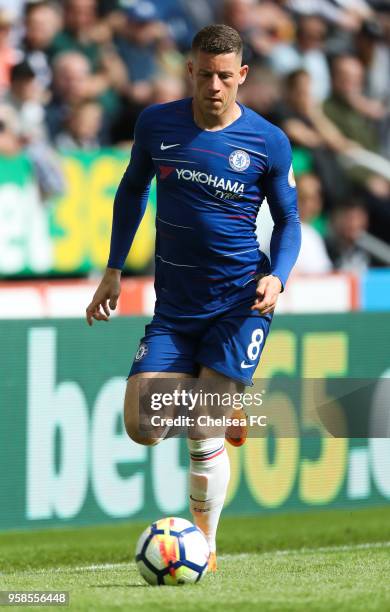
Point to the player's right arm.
(129, 207)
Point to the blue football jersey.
(210, 186)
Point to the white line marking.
(240, 252)
(173, 225)
(268, 553)
(226, 204)
(338, 548)
(249, 281)
(310, 551)
(184, 161)
(175, 264)
(245, 149)
(71, 568)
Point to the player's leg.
(209, 470)
(162, 353)
(233, 347)
(133, 409)
(229, 352)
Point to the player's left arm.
(281, 194)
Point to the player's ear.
(243, 74)
(190, 68)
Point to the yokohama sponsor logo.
(209, 179)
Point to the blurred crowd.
(74, 75)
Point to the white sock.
(209, 478)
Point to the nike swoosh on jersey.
(164, 147)
(247, 365)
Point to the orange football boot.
(236, 435)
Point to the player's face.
(216, 79)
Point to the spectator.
(181, 17)
(357, 116)
(346, 14)
(71, 86)
(302, 118)
(373, 51)
(73, 83)
(167, 89)
(83, 128)
(348, 223)
(42, 22)
(99, 62)
(111, 15)
(138, 48)
(256, 24)
(354, 113)
(164, 89)
(13, 7)
(307, 126)
(85, 34)
(156, 70)
(200, 13)
(8, 55)
(122, 129)
(80, 19)
(169, 59)
(276, 25)
(313, 257)
(106, 7)
(24, 98)
(238, 14)
(262, 92)
(307, 53)
(9, 141)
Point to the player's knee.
(138, 436)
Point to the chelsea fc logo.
(142, 351)
(239, 160)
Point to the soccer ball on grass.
(172, 551)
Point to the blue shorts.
(230, 343)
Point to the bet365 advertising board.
(65, 457)
(70, 233)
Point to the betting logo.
(239, 160)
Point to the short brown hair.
(218, 39)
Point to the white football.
(172, 551)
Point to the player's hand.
(105, 297)
(267, 293)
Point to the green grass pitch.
(317, 561)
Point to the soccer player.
(215, 161)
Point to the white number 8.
(254, 347)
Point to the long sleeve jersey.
(210, 186)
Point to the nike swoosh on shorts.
(247, 365)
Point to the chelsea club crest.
(239, 160)
(142, 351)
